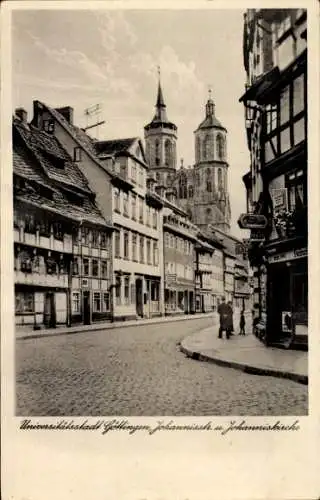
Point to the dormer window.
(48, 126)
(77, 154)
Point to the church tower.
(160, 139)
(211, 199)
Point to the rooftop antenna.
(93, 111)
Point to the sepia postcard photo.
(159, 260)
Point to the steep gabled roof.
(49, 153)
(114, 147)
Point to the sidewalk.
(27, 332)
(246, 353)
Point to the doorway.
(49, 315)
(139, 298)
(86, 308)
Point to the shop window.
(104, 269)
(127, 290)
(76, 303)
(118, 290)
(106, 302)
(24, 302)
(96, 302)
(95, 267)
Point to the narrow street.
(140, 371)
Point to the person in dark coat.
(231, 328)
(225, 313)
(242, 323)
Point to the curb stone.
(254, 370)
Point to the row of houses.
(96, 238)
(275, 101)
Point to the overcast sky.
(81, 58)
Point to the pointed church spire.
(161, 113)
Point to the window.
(141, 249)
(158, 177)
(44, 228)
(133, 172)
(134, 247)
(127, 290)
(166, 239)
(297, 190)
(219, 177)
(148, 222)
(209, 187)
(116, 197)
(103, 240)
(85, 235)
(125, 204)
(148, 251)
(30, 224)
(141, 210)
(104, 269)
(271, 117)
(142, 183)
(126, 245)
(75, 266)
(220, 147)
(155, 254)
(285, 105)
(183, 186)
(96, 302)
(207, 143)
(298, 95)
(57, 231)
(105, 302)
(157, 152)
(77, 154)
(134, 206)
(76, 303)
(24, 302)
(198, 149)
(154, 218)
(168, 153)
(48, 126)
(85, 267)
(95, 267)
(117, 252)
(118, 290)
(123, 167)
(95, 238)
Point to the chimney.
(67, 113)
(22, 114)
(37, 114)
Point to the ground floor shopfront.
(136, 296)
(204, 301)
(179, 298)
(41, 307)
(287, 297)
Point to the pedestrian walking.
(225, 314)
(242, 323)
(231, 317)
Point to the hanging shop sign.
(292, 255)
(252, 221)
(257, 236)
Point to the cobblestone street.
(140, 371)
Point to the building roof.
(29, 163)
(114, 147)
(210, 120)
(160, 117)
(49, 153)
